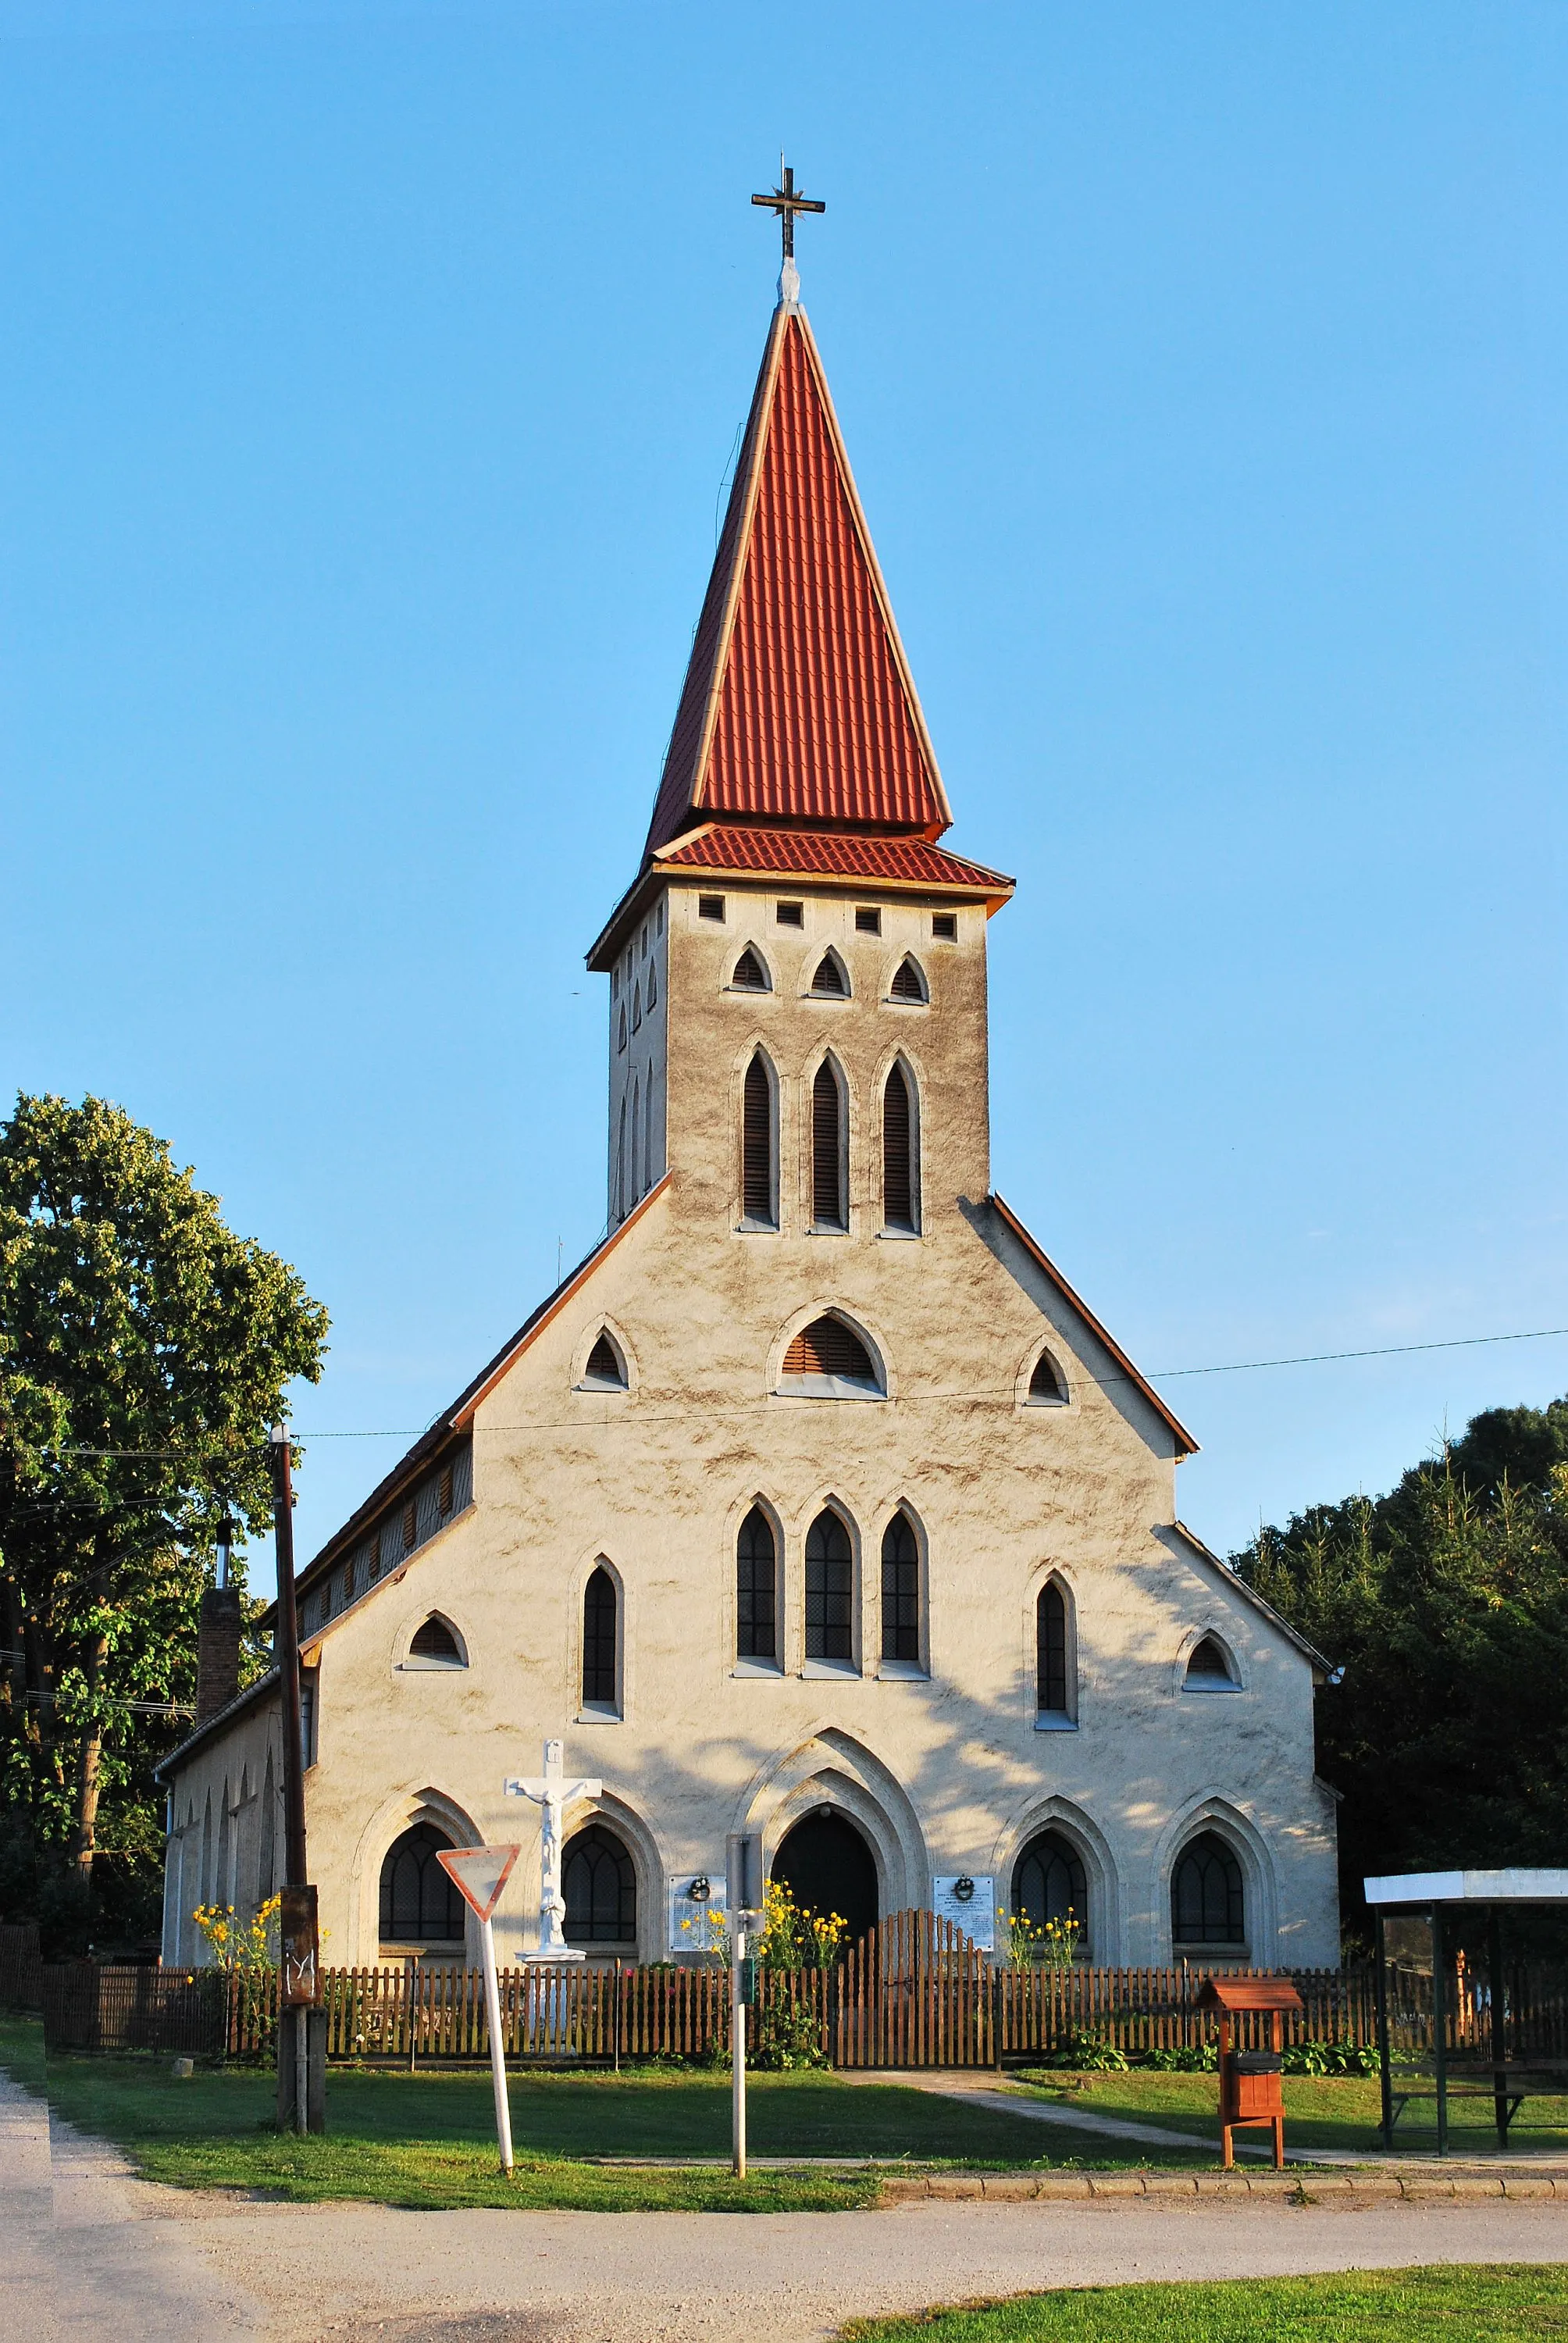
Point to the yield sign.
(479, 1873)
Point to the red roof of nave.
(798, 704)
(830, 854)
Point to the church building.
(816, 1503)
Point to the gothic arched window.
(1208, 1904)
(831, 980)
(900, 1591)
(829, 1590)
(434, 1643)
(749, 974)
(829, 1190)
(899, 1184)
(756, 1589)
(1053, 1686)
(1046, 1387)
(599, 1882)
(599, 1640)
(1048, 1885)
(758, 1203)
(908, 981)
(1209, 1668)
(420, 1904)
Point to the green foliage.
(1190, 2059)
(1448, 2305)
(784, 2040)
(1446, 1604)
(1082, 2053)
(144, 1352)
(1329, 2058)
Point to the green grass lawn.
(1418, 2306)
(1319, 2112)
(429, 2140)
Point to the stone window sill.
(596, 1712)
(903, 1672)
(1051, 1720)
(815, 1669)
(756, 1668)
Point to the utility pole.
(301, 2022)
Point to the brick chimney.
(217, 1650)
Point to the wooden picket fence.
(914, 1992)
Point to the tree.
(1446, 1604)
(145, 1350)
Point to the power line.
(997, 1391)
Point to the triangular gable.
(1322, 1669)
(1185, 1443)
(799, 705)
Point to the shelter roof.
(1508, 1887)
(798, 704)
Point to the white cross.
(551, 1793)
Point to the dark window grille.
(375, 1558)
(749, 975)
(791, 915)
(436, 1641)
(598, 1640)
(827, 1151)
(410, 1527)
(604, 1364)
(907, 984)
(710, 907)
(867, 919)
(828, 982)
(598, 1881)
(1207, 1905)
(757, 1144)
(348, 1581)
(829, 1590)
(444, 1492)
(1048, 1883)
(945, 927)
(1045, 1382)
(756, 1589)
(1051, 1651)
(900, 1591)
(419, 1905)
(1209, 1660)
(827, 1347)
(898, 1153)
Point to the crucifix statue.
(551, 1793)
(787, 202)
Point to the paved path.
(92, 2253)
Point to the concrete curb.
(1307, 2187)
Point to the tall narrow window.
(756, 1589)
(900, 1592)
(1050, 1651)
(757, 1145)
(898, 1153)
(827, 1151)
(621, 1168)
(829, 1590)
(635, 1191)
(598, 1640)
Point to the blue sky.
(370, 377)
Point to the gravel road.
(92, 2253)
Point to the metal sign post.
(743, 1902)
(479, 1874)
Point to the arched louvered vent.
(827, 1347)
(435, 1640)
(757, 1145)
(749, 975)
(898, 1153)
(1046, 1384)
(907, 984)
(830, 983)
(605, 1365)
(1209, 1663)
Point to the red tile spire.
(798, 708)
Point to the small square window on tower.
(867, 919)
(791, 915)
(945, 927)
(710, 907)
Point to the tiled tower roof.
(798, 707)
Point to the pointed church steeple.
(798, 708)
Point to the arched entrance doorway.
(828, 1867)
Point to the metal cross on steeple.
(787, 202)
